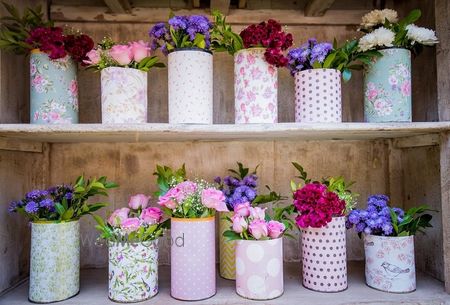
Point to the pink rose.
(94, 57)
(257, 213)
(214, 199)
(130, 225)
(151, 215)
(167, 201)
(139, 50)
(242, 209)
(139, 201)
(275, 229)
(187, 187)
(258, 228)
(118, 216)
(239, 224)
(122, 54)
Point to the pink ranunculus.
(139, 201)
(242, 209)
(258, 228)
(130, 224)
(151, 215)
(406, 88)
(94, 57)
(140, 50)
(122, 54)
(275, 228)
(257, 213)
(239, 224)
(214, 199)
(118, 216)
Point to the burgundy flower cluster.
(316, 205)
(56, 44)
(269, 35)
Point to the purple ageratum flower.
(387, 229)
(158, 31)
(320, 51)
(32, 207)
(379, 201)
(217, 180)
(353, 217)
(250, 181)
(47, 203)
(303, 58)
(36, 194)
(178, 22)
(13, 206)
(68, 196)
(367, 231)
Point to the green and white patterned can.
(387, 87)
(54, 261)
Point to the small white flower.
(421, 35)
(377, 17)
(380, 37)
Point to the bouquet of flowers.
(384, 30)
(181, 32)
(382, 220)
(62, 202)
(137, 223)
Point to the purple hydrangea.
(158, 31)
(304, 57)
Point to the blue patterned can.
(53, 90)
(387, 87)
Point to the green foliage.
(415, 220)
(147, 63)
(167, 177)
(242, 171)
(401, 40)
(222, 36)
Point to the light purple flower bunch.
(310, 55)
(238, 190)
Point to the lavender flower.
(13, 206)
(304, 57)
(158, 31)
(32, 207)
(47, 204)
(179, 22)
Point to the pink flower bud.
(118, 216)
(258, 229)
(139, 201)
(139, 50)
(242, 209)
(239, 224)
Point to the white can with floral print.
(124, 95)
(133, 271)
(390, 263)
(255, 88)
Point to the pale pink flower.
(130, 224)
(258, 213)
(258, 229)
(118, 216)
(121, 54)
(54, 116)
(94, 57)
(239, 224)
(139, 201)
(214, 199)
(256, 73)
(242, 209)
(139, 50)
(151, 215)
(275, 229)
(167, 202)
(372, 94)
(187, 187)
(73, 87)
(406, 88)
(251, 59)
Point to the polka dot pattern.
(324, 257)
(318, 96)
(190, 87)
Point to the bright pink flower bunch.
(270, 36)
(316, 205)
(122, 54)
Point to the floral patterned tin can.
(255, 88)
(53, 89)
(124, 95)
(190, 86)
(259, 269)
(133, 271)
(54, 261)
(387, 87)
(324, 257)
(318, 96)
(390, 263)
(193, 258)
(227, 249)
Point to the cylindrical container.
(390, 264)
(190, 86)
(387, 87)
(133, 271)
(124, 95)
(318, 96)
(325, 257)
(259, 269)
(54, 261)
(227, 249)
(255, 88)
(53, 89)
(193, 258)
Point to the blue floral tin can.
(387, 87)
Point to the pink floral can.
(318, 96)
(390, 263)
(193, 258)
(259, 269)
(255, 88)
(324, 257)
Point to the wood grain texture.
(318, 8)
(445, 204)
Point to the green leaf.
(412, 17)
(68, 214)
(59, 209)
(329, 60)
(231, 235)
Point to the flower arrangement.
(382, 220)
(135, 55)
(181, 32)
(137, 223)
(62, 202)
(384, 30)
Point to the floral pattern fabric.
(387, 87)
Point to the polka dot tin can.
(193, 258)
(318, 96)
(324, 257)
(259, 269)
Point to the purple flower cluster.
(376, 219)
(237, 190)
(304, 57)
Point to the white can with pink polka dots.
(318, 96)
(259, 269)
(324, 257)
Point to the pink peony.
(94, 57)
(239, 224)
(118, 216)
(258, 213)
(258, 228)
(214, 199)
(151, 215)
(242, 209)
(275, 228)
(139, 201)
(130, 224)
(122, 54)
(139, 50)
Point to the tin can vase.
(133, 271)
(227, 249)
(390, 263)
(387, 87)
(324, 257)
(190, 86)
(193, 258)
(53, 89)
(54, 261)
(318, 96)
(259, 269)
(124, 95)
(255, 88)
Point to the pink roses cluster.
(123, 54)
(253, 220)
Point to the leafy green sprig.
(222, 36)
(415, 220)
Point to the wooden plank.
(118, 6)
(316, 8)
(196, 3)
(442, 15)
(242, 3)
(221, 5)
(417, 141)
(20, 145)
(445, 204)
